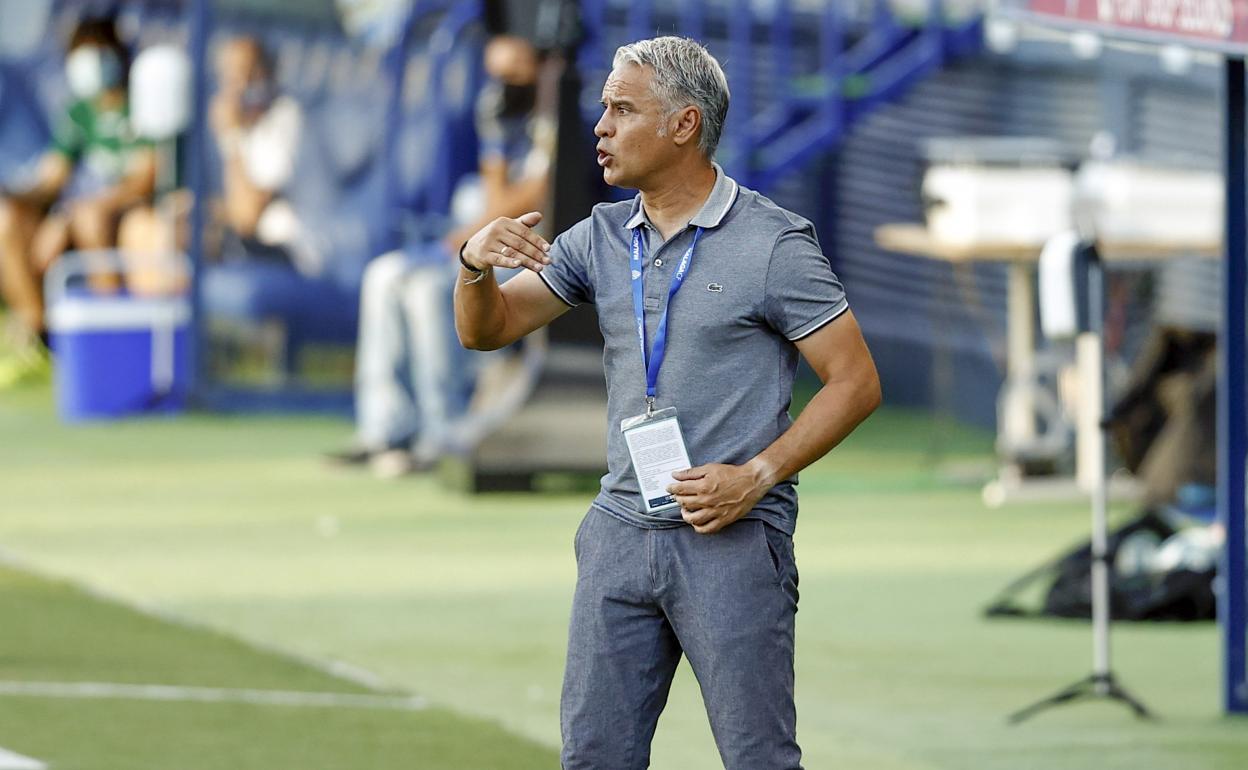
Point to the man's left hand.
(715, 495)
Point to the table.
(1017, 410)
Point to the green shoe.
(24, 368)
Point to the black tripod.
(1090, 353)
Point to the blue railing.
(863, 58)
(454, 19)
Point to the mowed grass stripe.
(179, 694)
(233, 706)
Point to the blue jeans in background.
(412, 377)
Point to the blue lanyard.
(653, 360)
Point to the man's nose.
(602, 128)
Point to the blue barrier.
(353, 189)
(862, 63)
(1232, 435)
(378, 152)
(801, 78)
(432, 106)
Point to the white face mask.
(91, 69)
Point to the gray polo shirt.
(757, 283)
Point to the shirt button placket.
(656, 284)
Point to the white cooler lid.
(93, 314)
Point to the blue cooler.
(118, 355)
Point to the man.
(411, 377)
(723, 289)
(257, 131)
(94, 171)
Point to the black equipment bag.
(1063, 587)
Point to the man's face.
(238, 66)
(630, 147)
(511, 60)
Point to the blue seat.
(351, 195)
(311, 308)
(337, 192)
(437, 116)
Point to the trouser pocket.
(780, 559)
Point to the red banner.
(1221, 24)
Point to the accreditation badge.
(657, 449)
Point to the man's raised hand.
(507, 242)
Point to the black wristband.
(464, 262)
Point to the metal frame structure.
(200, 28)
(811, 117)
(1232, 415)
(1090, 350)
(1232, 421)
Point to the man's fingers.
(530, 238)
(519, 246)
(513, 259)
(689, 503)
(530, 219)
(683, 487)
(709, 528)
(690, 474)
(697, 518)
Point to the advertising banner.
(1217, 24)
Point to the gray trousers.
(645, 596)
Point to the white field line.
(178, 693)
(336, 668)
(13, 761)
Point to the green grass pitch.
(55, 633)
(234, 524)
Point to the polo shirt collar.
(723, 195)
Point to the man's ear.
(687, 122)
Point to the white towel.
(1059, 314)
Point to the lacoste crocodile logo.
(714, 287)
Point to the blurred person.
(257, 131)
(95, 170)
(701, 564)
(1164, 423)
(412, 378)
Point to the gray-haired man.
(706, 294)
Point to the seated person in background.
(257, 132)
(95, 170)
(411, 374)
